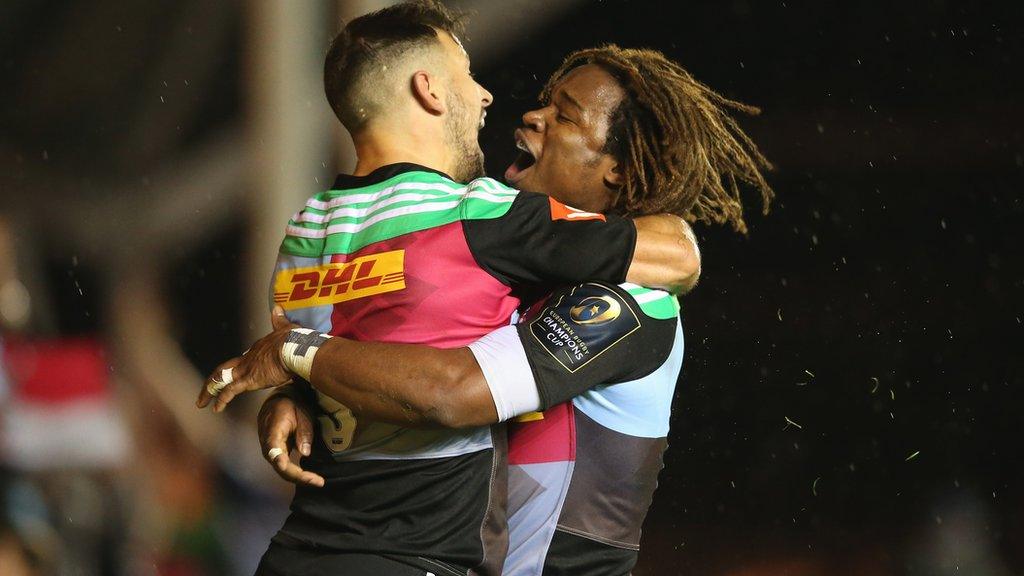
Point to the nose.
(534, 120)
(485, 96)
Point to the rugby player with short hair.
(582, 473)
(404, 250)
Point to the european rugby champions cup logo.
(583, 324)
(595, 310)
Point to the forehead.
(592, 87)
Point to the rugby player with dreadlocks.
(583, 472)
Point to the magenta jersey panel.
(448, 300)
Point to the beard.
(460, 137)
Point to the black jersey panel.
(412, 507)
(536, 245)
(572, 555)
(613, 483)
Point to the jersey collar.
(345, 181)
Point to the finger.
(277, 318)
(241, 385)
(303, 431)
(277, 454)
(229, 392)
(241, 382)
(276, 425)
(291, 472)
(275, 431)
(215, 379)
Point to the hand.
(261, 367)
(282, 419)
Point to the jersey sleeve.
(540, 241)
(580, 337)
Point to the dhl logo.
(333, 283)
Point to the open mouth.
(522, 163)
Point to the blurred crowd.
(97, 477)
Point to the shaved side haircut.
(368, 56)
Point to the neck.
(380, 147)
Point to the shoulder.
(486, 198)
(592, 318)
(407, 201)
(598, 303)
(490, 184)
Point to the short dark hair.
(374, 40)
(681, 150)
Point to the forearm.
(666, 254)
(405, 384)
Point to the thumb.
(278, 319)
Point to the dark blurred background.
(853, 365)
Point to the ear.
(613, 174)
(429, 93)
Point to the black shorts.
(284, 561)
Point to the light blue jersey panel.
(641, 407)
(315, 317)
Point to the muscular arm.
(540, 242)
(581, 336)
(405, 384)
(513, 370)
(410, 385)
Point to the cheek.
(567, 152)
(574, 161)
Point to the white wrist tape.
(299, 350)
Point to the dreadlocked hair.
(680, 149)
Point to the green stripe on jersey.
(663, 307)
(634, 289)
(344, 221)
(657, 304)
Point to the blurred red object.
(57, 371)
(60, 410)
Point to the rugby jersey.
(583, 472)
(408, 255)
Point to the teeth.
(522, 147)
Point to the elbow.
(454, 418)
(687, 269)
(454, 421)
(451, 405)
(691, 271)
(690, 259)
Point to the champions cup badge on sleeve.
(595, 310)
